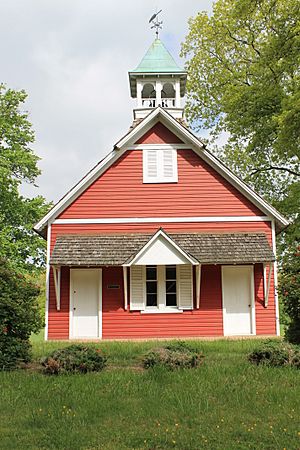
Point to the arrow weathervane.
(156, 23)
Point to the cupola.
(157, 81)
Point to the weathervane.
(156, 23)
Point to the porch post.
(57, 277)
(125, 287)
(267, 284)
(198, 285)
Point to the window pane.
(170, 272)
(171, 287)
(151, 287)
(151, 299)
(171, 300)
(151, 272)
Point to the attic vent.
(160, 166)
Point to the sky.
(72, 57)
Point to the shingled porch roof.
(120, 249)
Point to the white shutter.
(185, 286)
(150, 165)
(137, 283)
(169, 164)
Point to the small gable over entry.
(161, 250)
(161, 276)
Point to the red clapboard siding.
(265, 317)
(159, 134)
(120, 192)
(58, 321)
(121, 324)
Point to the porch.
(162, 285)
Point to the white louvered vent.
(185, 286)
(168, 164)
(152, 164)
(137, 297)
(160, 166)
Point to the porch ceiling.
(119, 249)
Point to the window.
(160, 166)
(171, 291)
(161, 288)
(151, 286)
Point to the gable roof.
(159, 115)
(123, 249)
(175, 247)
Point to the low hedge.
(276, 354)
(76, 358)
(177, 355)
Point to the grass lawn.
(224, 404)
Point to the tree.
(19, 316)
(290, 292)
(18, 164)
(244, 80)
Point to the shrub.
(176, 355)
(19, 317)
(289, 290)
(276, 354)
(74, 358)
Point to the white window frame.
(161, 293)
(160, 178)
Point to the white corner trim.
(165, 236)
(203, 219)
(47, 282)
(275, 280)
(100, 309)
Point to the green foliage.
(276, 354)
(290, 292)
(244, 74)
(19, 316)
(74, 358)
(177, 355)
(244, 79)
(18, 164)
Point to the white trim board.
(47, 282)
(204, 219)
(275, 280)
(159, 115)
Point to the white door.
(238, 301)
(85, 303)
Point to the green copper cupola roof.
(158, 60)
(157, 63)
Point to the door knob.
(74, 309)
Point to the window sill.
(161, 311)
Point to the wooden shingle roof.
(119, 249)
